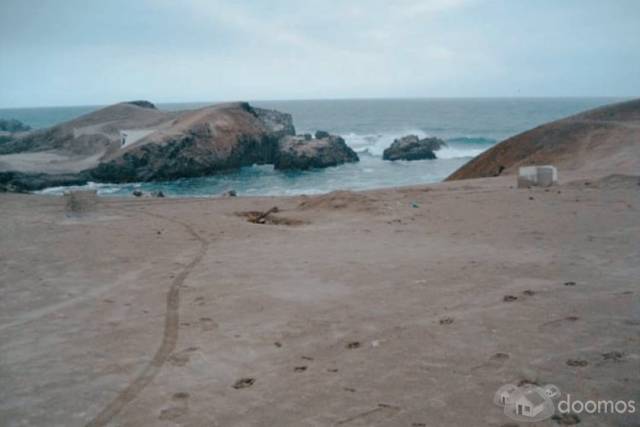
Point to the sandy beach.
(403, 307)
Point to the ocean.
(469, 126)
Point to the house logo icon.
(528, 403)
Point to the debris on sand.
(267, 217)
(244, 383)
(509, 298)
(569, 283)
(529, 292)
(299, 369)
(353, 344)
(261, 217)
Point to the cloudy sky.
(79, 52)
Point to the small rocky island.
(304, 152)
(136, 142)
(411, 147)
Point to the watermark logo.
(527, 402)
(531, 403)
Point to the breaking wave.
(458, 147)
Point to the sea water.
(469, 126)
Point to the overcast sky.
(79, 52)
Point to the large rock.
(303, 152)
(596, 143)
(134, 141)
(201, 142)
(411, 147)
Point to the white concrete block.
(537, 176)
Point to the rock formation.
(303, 152)
(134, 141)
(411, 147)
(601, 141)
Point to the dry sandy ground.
(383, 308)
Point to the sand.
(382, 308)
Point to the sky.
(94, 52)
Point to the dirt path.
(169, 337)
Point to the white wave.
(457, 152)
(375, 144)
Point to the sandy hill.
(597, 142)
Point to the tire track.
(169, 337)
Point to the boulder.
(411, 147)
(300, 152)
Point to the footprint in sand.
(179, 407)
(577, 363)
(615, 356)
(207, 324)
(553, 324)
(181, 358)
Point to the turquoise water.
(469, 126)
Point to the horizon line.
(399, 98)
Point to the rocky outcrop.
(201, 142)
(598, 142)
(303, 152)
(133, 141)
(12, 126)
(411, 147)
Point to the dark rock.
(230, 193)
(298, 153)
(13, 125)
(278, 123)
(158, 193)
(322, 134)
(137, 193)
(143, 104)
(411, 147)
